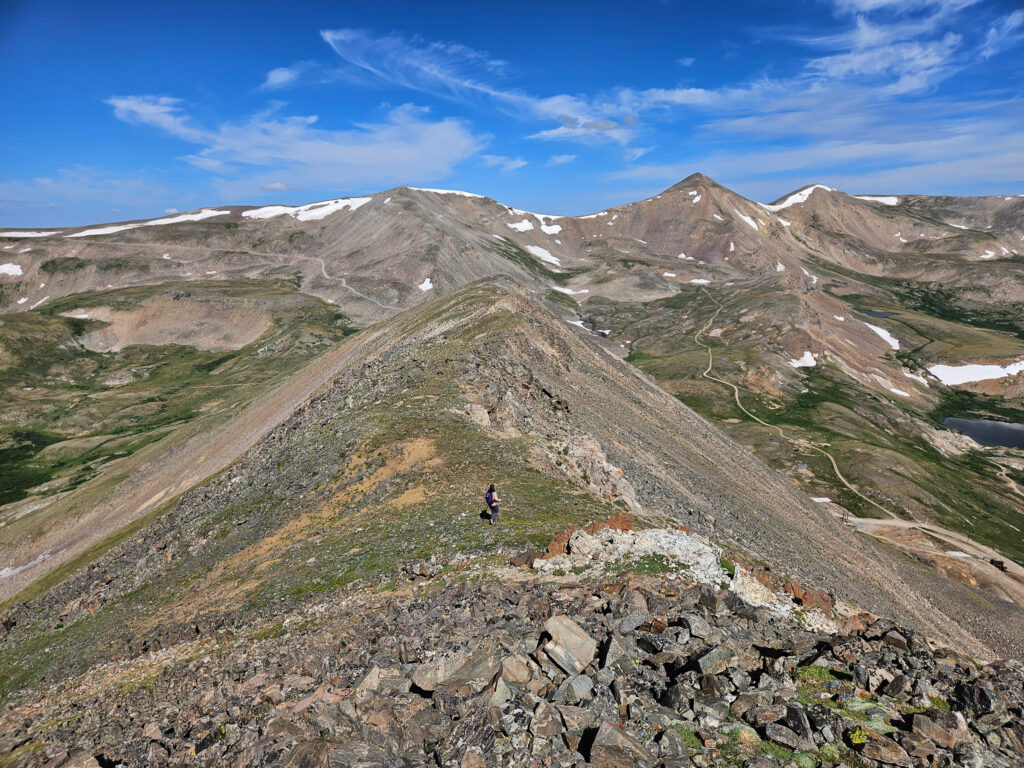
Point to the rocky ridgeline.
(479, 663)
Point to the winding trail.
(323, 271)
(797, 442)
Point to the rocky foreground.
(629, 662)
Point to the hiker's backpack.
(489, 498)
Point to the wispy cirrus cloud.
(1007, 31)
(272, 151)
(560, 160)
(506, 164)
(457, 72)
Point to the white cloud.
(255, 154)
(505, 163)
(686, 61)
(161, 112)
(1004, 34)
(453, 71)
(170, 210)
(560, 159)
(635, 153)
(282, 77)
(278, 186)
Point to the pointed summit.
(690, 182)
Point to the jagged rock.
(614, 748)
(431, 674)
(884, 750)
(917, 745)
(716, 660)
(546, 722)
(761, 716)
(580, 688)
(570, 647)
(309, 755)
(925, 726)
(783, 736)
(515, 669)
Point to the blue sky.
(119, 110)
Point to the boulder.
(570, 647)
(429, 675)
(885, 751)
(614, 748)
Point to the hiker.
(491, 497)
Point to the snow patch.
(569, 291)
(668, 274)
(550, 229)
(309, 212)
(426, 285)
(23, 299)
(32, 233)
(543, 254)
(958, 226)
(888, 337)
(39, 302)
(458, 192)
(521, 226)
(899, 392)
(784, 222)
(882, 200)
(821, 499)
(779, 267)
(10, 269)
(696, 199)
(916, 377)
(988, 255)
(699, 281)
(806, 361)
(198, 216)
(899, 236)
(798, 197)
(732, 246)
(840, 318)
(951, 375)
(747, 219)
(715, 215)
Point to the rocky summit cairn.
(504, 666)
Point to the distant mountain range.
(774, 376)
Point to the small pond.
(874, 313)
(1002, 433)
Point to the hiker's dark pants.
(494, 513)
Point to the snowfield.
(309, 212)
(206, 213)
(458, 192)
(891, 340)
(951, 375)
(10, 269)
(521, 226)
(30, 234)
(805, 361)
(569, 291)
(426, 285)
(882, 200)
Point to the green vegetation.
(648, 565)
(96, 407)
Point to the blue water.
(874, 313)
(1002, 433)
